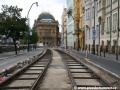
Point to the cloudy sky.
(55, 7)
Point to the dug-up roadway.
(56, 77)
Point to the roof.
(45, 15)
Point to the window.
(99, 4)
(97, 30)
(93, 12)
(114, 22)
(96, 9)
(108, 24)
(89, 33)
(102, 31)
(108, 2)
(114, 1)
(87, 13)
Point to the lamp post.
(78, 37)
(117, 34)
(110, 27)
(74, 38)
(66, 39)
(94, 32)
(28, 21)
(99, 20)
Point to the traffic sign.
(94, 32)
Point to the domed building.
(47, 28)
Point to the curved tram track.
(29, 77)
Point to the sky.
(54, 7)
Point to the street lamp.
(78, 36)
(117, 34)
(74, 38)
(93, 49)
(28, 21)
(99, 20)
(66, 38)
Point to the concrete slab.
(35, 71)
(56, 77)
(36, 67)
(39, 65)
(21, 83)
(81, 74)
(94, 82)
(78, 70)
(75, 66)
(28, 76)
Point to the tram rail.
(81, 75)
(30, 76)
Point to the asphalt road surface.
(111, 65)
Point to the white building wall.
(88, 39)
(106, 36)
(70, 23)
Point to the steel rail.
(67, 59)
(36, 80)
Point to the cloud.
(55, 7)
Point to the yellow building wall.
(78, 21)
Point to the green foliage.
(11, 23)
(34, 37)
(23, 41)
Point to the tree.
(34, 37)
(12, 24)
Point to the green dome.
(46, 15)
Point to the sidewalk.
(12, 54)
(107, 55)
(10, 59)
(109, 62)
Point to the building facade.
(79, 25)
(47, 29)
(64, 28)
(109, 37)
(102, 16)
(91, 24)
(70, 23)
